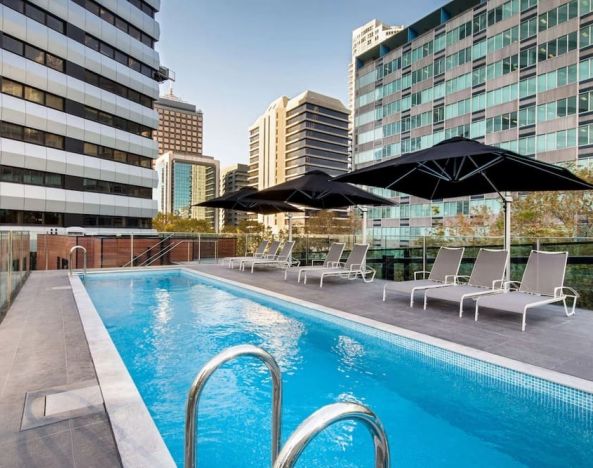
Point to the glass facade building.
(185, 180)
(516, 74)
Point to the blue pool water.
(439, 409)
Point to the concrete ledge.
(138, 440)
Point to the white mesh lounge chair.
(443, 273)
(259, 252)
(332, 259)
(283, 259)
(487, 275)
(270, 254)
(354, 267)
(542, 283)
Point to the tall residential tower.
(294, 136)
(79, 79)
(233, 178)
(516, 74)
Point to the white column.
(508, 200)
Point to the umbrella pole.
(508, 200)
(364, 225)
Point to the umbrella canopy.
(460, 167)
(316, 189)
(244, 200)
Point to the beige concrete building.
(180, 126)
(294, 136)
(233, 178)
(364, 38)
(184, 180)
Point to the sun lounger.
(354, 267)
(444, 270)
(259, 252)
(487, 275)
(283, 259)
(542, 283)
(332, 259)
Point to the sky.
(232, 58)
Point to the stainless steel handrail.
(131, 262)
(326, 416)
(76, 247)
(203, 376)
(157, 256)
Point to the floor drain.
(56, 404)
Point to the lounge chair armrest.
(498, 284)
(416, 273)
(333, 264)
(511, 285)
(355, 266)
(313, 262)
(294, 262)
(559, 291)
(455, 279)
(369, 271)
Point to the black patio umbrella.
(460, 167)
(244, 200)
(317, 189)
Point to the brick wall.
(110, 252)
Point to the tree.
(481, 221)
(166, 222)
(326, 222)
(534, 214)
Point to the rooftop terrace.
(45, 348)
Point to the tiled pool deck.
(42, 345)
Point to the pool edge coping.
(138, 440)
(485, 356)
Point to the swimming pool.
(439, 408)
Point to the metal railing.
(325, 417)
(72, 250)
(133, 259)
(191, 415)
(393, 257)
(304, 433)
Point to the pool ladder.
(303, 434)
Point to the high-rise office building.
(180, 126)
(516, 74)
(233, 178)
(294, 136)
(183, 181)
(79, 79)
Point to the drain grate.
(52, 405)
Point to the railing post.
(131, 250)
(188, 250)
(423, 253)
(199, 247)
